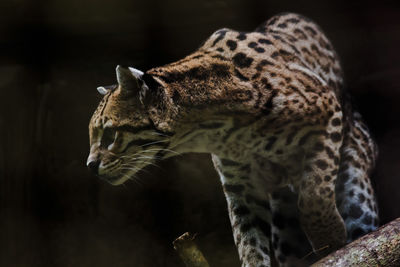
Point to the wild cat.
(293, 157)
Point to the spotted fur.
(294, 159)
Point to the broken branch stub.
(189, 252)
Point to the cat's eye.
(108, 137)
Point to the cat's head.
(126, 130)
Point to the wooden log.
(378, 248)
(189, 252)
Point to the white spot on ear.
(137, 73)
(102, 90)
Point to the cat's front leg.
(249, 212)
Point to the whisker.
(145, 157)
(172, 151)
(155, 142)
(135, 154)
(145, 163)
(141, 156)
(130, 168)
(140, 152)
(156, 133)
(149, 163)
(161, 149)
(151, 150)
(134, 161)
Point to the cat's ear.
(129, 80)
(132, 83)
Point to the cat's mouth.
(127, 168)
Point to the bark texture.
(379, 248)
(189, 252)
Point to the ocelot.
(293, 157)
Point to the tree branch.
(189, 252)
(379, 248)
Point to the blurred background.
(53, 55)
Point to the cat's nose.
(93, 166)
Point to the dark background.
(53, 54)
